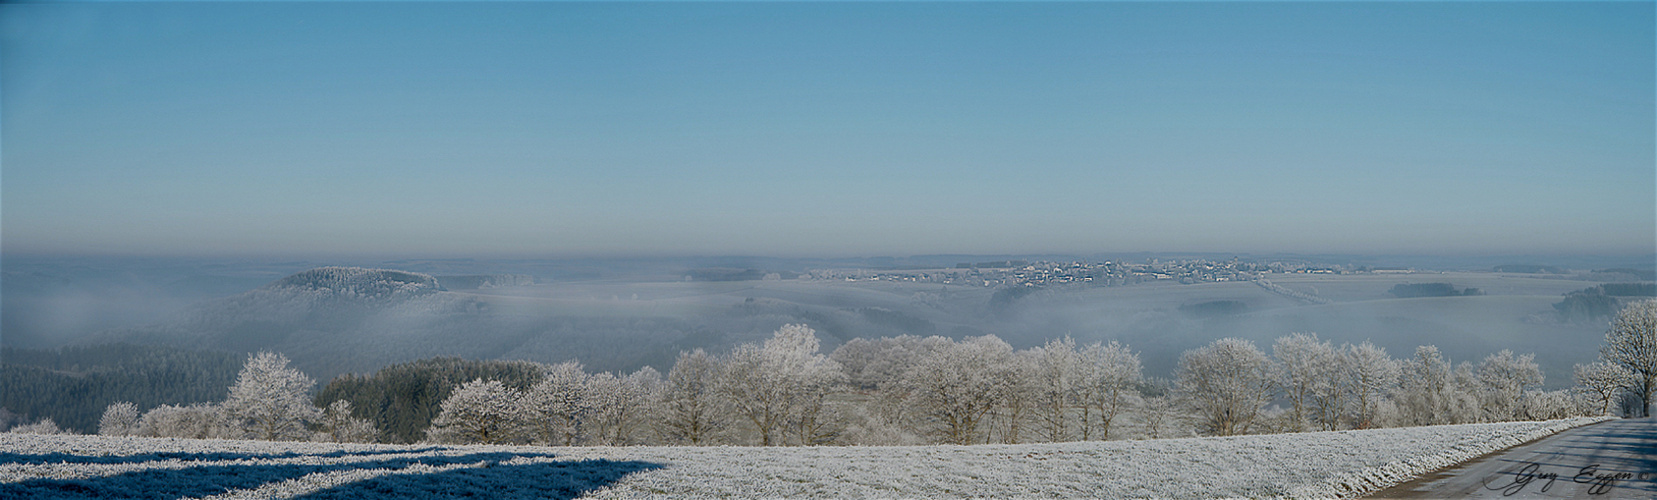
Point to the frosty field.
(1307, 465)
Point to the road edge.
(1362, 482)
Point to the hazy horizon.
(346, 130)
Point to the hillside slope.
(337, 320)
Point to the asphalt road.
(1615, 459)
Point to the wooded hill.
(74, 385)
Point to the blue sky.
(809, 129)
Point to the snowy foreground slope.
(1314, 465)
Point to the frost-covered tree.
(1603, 382)
(749, 383)
(1109, 375)
(1159, 417)
(1374, 375)
(1549, 405)
(339, 426)
(269, 400)
(480, 411)
(44, 426)
(688, 408)
(1309, 369)
(1335, 387)
(859, 358)
(1504, 379)
(196, 421)
(816, 423)
(1227, 383)
(1008, 417)
(872, 364)
(953, 390)
(621, 405)
(559, 405)
(781, 384)
(1632, 344)
(1467, 407)
(1426, 388)
(873, 424)
(120, 419)
(1386, 414)
(1056, 372)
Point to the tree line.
(910, 390)
(269, 401)
(919, 390)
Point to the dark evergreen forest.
(74, 385)
(402, 399)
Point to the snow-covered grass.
(1309, 465)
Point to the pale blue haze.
(567, 129)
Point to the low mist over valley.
(622, 315)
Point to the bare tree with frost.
(1374, 375)
(119, 419)
(1426, 386)
(1335, 385)
(953, 390)
(339, 426)
(196, 421)
(621, 405)
(1505, 379)
(1632, 344)
(1303, 361)
(816, 423)
(559, 405)
(1603, 381)
(1109, 375)
(779, 383)
(1160, 416)
(813, 421)
(44, 426)
(1465, 405)
(1057, 379)
(872, 424)
(1550, 405)
(1020, 396)
(873, 364)
(688, 408)
(1227, 382)
(480, 411)
(269, 400)
(750, 384)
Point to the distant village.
(1107, 273)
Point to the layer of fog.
(620, 314)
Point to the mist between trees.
(921, 390)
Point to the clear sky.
(790, 129)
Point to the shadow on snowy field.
(478, 475)
(561, 480)
(54, 458)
